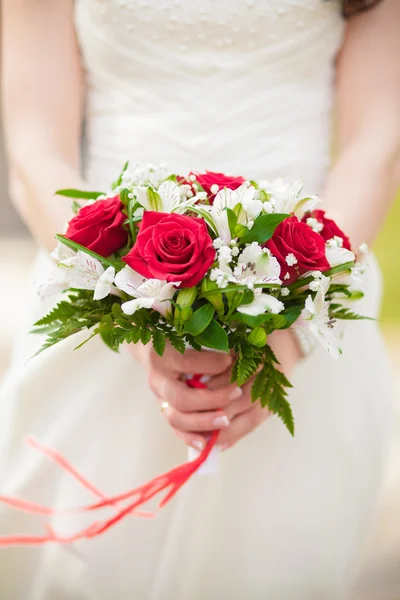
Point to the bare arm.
(42, 91)
(364, 180)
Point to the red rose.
(99, 227)
(330, 229)
(172, 247)
(207, 179)
(298, 249)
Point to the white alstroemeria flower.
(148, 293)
(337, 255)
(54, 284)
(286, 197)
(83, 272)
(62, 252)
(256, 265)
(315, 323)
(262, 303)
(237, 199)
(168, 198)
(104, 285)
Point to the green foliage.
(61, 313)
(337, 311)
(118, 181)
(214, 336)
(75, 246)
(232, 220)
(263, 228)
(176, 341)
(76, 207)
(159, 341)
(269, 385)
(248, 357)
(199, 320)
(80, 194)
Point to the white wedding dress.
(244, 86)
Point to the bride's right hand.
(189, 411)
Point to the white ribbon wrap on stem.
(210, 466)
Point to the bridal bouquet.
(203, 261)
(206, 260)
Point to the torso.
(234, 85)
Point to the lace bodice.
(236, 85)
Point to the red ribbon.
(169, 482)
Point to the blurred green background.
(387, 248)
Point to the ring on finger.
(164, 406)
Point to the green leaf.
(159, 341)
(133, 336)
(270, 387)
(145, 336)
(76, 207)
(63, 311)
(232, 220)
(263, 228)
(214, 337)
(83, 195)
(190, 339)
(176, 342)
(246, 367)
(279, 321)
(291, 315)
(76, 246)
(206, 216)
(346, 314)
(252, 321)
(199, 320)
(154, 199)
(339, 269)
(124, 196)
(247, 297)
(118, 181)
(86, 341)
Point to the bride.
(236, 86)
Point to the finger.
(225, 378)
(241, 404)
(242, 425)
(192, 361)
(196, 441)
(218, 381)
(186, 399)
(196, 421)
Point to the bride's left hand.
(245, 415)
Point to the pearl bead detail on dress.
(246, 26)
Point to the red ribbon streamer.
(169, 482)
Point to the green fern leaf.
(159, 341)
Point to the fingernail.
(198, 445)
(237, 392)
(221, 421)
(223, 447)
